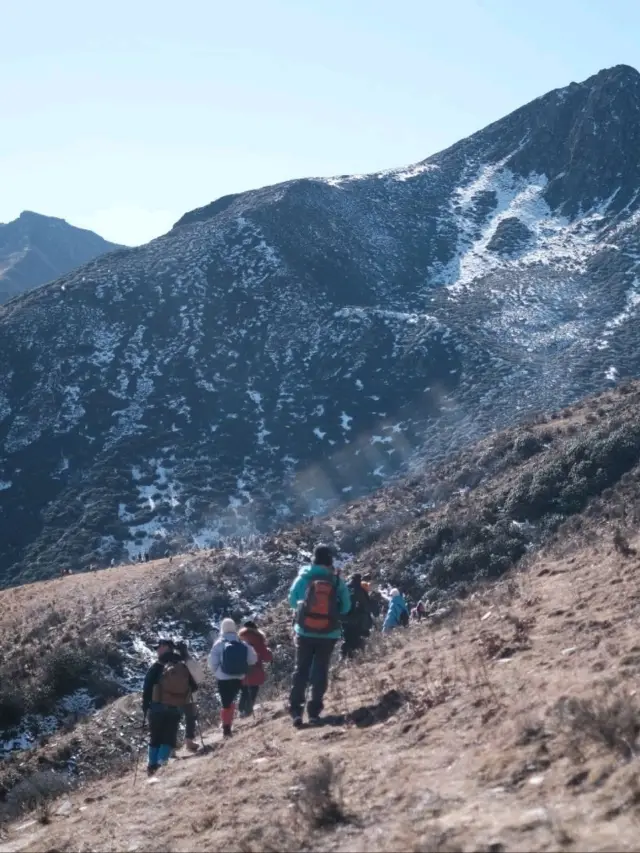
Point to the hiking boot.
(226, 731)
(297, 721)
(191, 745)
(152, 769)
(315, 721)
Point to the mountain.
(35, 249)
(281, 350)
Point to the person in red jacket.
(249, 633)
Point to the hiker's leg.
(228, 690)
(350, 641)
(155, 737)
(253, 695)
(245, 701)
(190, 721)
(320, 675)
(304, 660)
(170, 734)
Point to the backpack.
(173, 687)
(235, 658)
(360, 613)
(318, 611)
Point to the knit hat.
(395, 592)
(228, 626)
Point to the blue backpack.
(235, 658)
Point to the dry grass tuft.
(610, 720)
(318, 796)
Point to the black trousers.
(163, 725)
(353, 639)
(190, 717)
(248, 696)
(228, 689)
(313, 657)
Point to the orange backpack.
(318, 611)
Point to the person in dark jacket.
(356, 625)
(190, 709)
(166, 690)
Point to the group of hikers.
(326, 609)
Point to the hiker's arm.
(214, 657)
(344, 598)
(267, 654)
(295, 593)
(150, 680)
(252, 655)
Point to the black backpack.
(235, 658)
(360, 613)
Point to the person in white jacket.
(230, 659)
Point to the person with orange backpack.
(320, 598)
(168, 687)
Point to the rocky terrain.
(285, 350)
(35, 249)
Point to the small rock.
(532, 819)
(536, 780)
(64, 808)
(570, 650)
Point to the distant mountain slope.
(35, 249)
(284, 349)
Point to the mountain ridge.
(288, 348)
(35, 249)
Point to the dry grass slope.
(511, 724)
(510, 721)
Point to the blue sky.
(121, 116)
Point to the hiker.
(251, 634)
(190, 710)
(397, 614)
(168, 687)
(356, 626)
(230, 659)
(319, 599)
(419, 611)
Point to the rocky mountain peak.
(582, 140)
(35, 249)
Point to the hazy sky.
(121, 116)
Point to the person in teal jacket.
(314, 648)
(397, 609)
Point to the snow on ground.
(554, 239)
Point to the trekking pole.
(200, 733)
